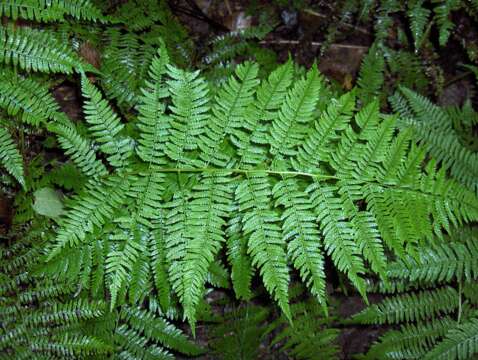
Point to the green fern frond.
(338, 233)
(317, 145)
(412, 341)
(159, 330)
(240, 261)
(287, 128)
(192, 254)
(310, 336)
(433, 127)
(153, 123)
(27, 98)
(105, 125)
(79, 149)
(265, 245)
(370, 77)
(228, 113)
(190, 106)
(10, 157)
(270, 95)
(440, 263)
(120, 262)
(300, 231)
(460, 342)
(410, 307)
(44, 10)
(89, 212)
(70, 346)
(418, 21)
(239, 333)
(38, 50)
(442, 16)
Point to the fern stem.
(459, 302)
(248, 171)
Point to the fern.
(459, 342)
(10, 157)
(202, 152)
(410, 307)
(311, 333)
(370, 78)
(27, 99)
(37, 50)
(278, 173)
(433, 127)
(239, 333)
(442, 15)
(418, 21)
(43, 10)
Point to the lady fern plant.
(259, 170)
(187, 179)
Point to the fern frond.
(241, 264)
(10, 157)
(28, 98)
(460, 342)
(159, 330)
(121, 261)
(44, 10)
(105, 125)
(38, 50)
(410, 307)
(300, 231)
(338, 233)
(442, 16)
(433, 127)
(265, 245)
(159, 264)
(70, 346)
(192, 254)
(370, 77)
(440, 263)
(317, 145)
(239, 333)
(310, 334)
(79, 149)
(287, 128)
(269, 98)
(153, 123)
(229, 112)
(89, 212)
(418, 21)
(411, 341)
(190, 106)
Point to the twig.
(354, 27)
(196, 12)
(313, 43)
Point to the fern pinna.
(260, 168)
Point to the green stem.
(247, 171)
(459, 302)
